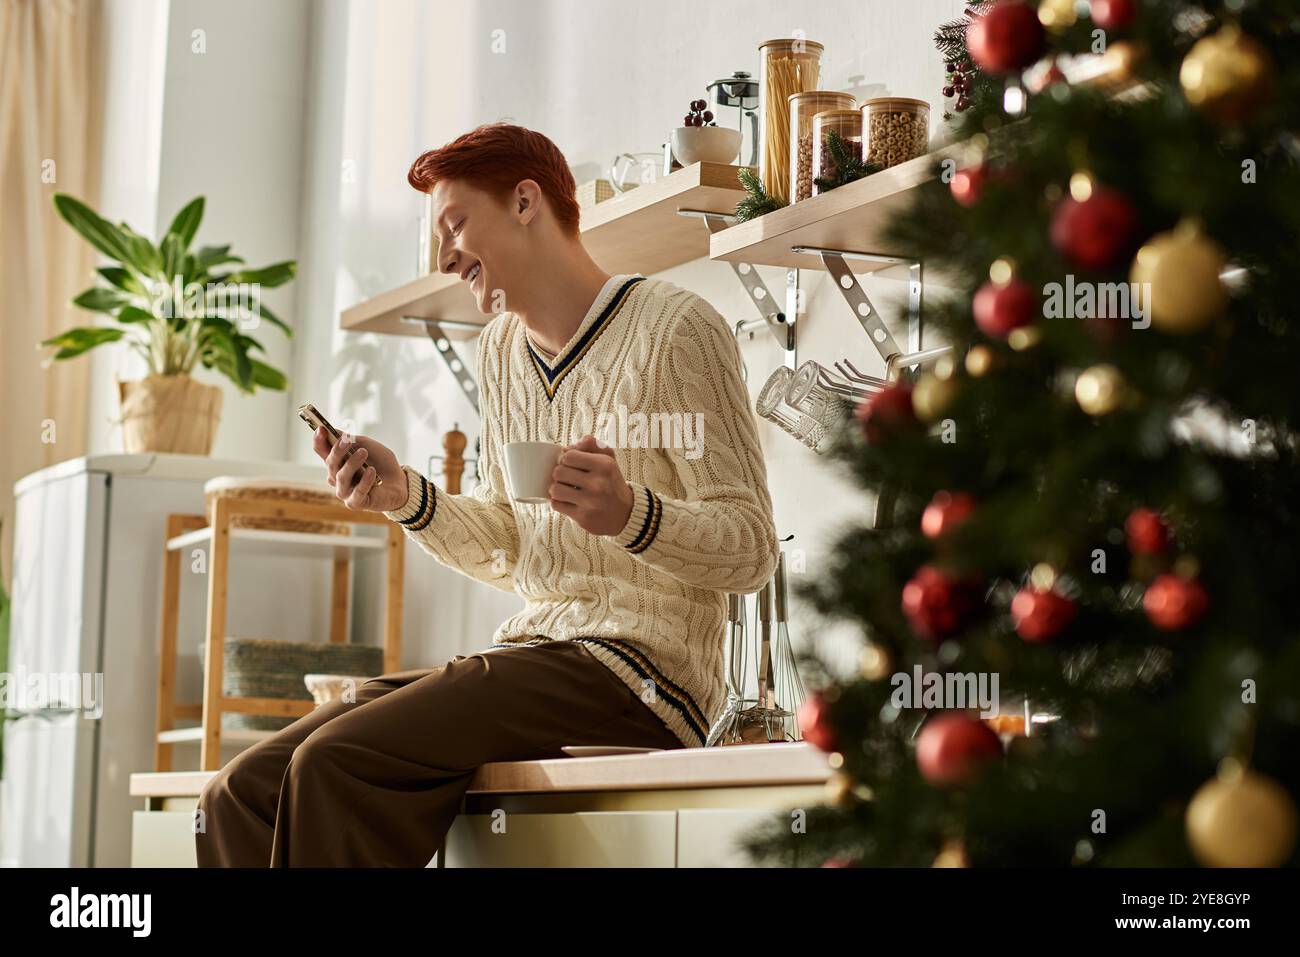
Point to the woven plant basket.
(169, 414)
(274, 490)
(266, 668)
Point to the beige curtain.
(50, 113)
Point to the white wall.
(209, 99)
(135, 51)
(233, 132)
(599, 79)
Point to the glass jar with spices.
(847, 125)
(803, 107)
(897, 129)
(786, 67)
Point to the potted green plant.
(176, 308)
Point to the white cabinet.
(579, 839)
(709, 837)
(163, 839)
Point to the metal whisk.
(764, 663)
(726, 730)
(790, 691)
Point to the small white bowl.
(705, 144)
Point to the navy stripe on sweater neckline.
(552, 376)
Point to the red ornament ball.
(1097, 233)
(954, 748)
(1000, 308)
(1041, 615)
(1007, 38)
(886, 412)
(936, 604)
(945, 512)
(815, 724)
(1173, 603)
(1114, 14)
(968, 185)
(1146, 532)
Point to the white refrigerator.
(87, 600)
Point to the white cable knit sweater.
(649, 362)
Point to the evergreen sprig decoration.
(950, 38)
(964, 81)
(757, 202)
(848, 164)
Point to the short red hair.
(496, 157)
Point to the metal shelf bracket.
(896, 360)
(437, 330)
(780, 323)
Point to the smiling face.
(480, 237)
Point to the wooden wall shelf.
(637, 231)
(848, 218)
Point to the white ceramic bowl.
(705, 144)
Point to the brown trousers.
(377, 782)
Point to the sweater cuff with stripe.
(421, 502)
(643, 524)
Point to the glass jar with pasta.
(803, 107)
(786, 67)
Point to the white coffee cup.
(528, 469)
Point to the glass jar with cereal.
(897, 129)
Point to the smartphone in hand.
(311, 415)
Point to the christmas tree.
(1095, 496)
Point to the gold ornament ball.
(1057, 15)
(1026, 337)
(931, 396)
(1178, 277)
(953, 854)
(1241, 819)
(1227, 75)
(875, 663)
(979, 360)
(1120, 62)
(843, 791)
(839, 790)
(1099, 389)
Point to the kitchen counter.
(675, 808)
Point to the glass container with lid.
(896, 129)
(786, 67)
(847, 125)
(803, 107)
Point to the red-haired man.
(624, 572)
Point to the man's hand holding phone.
(354, 464)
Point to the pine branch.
(757, 202)
(950, 38)
(847, 164)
